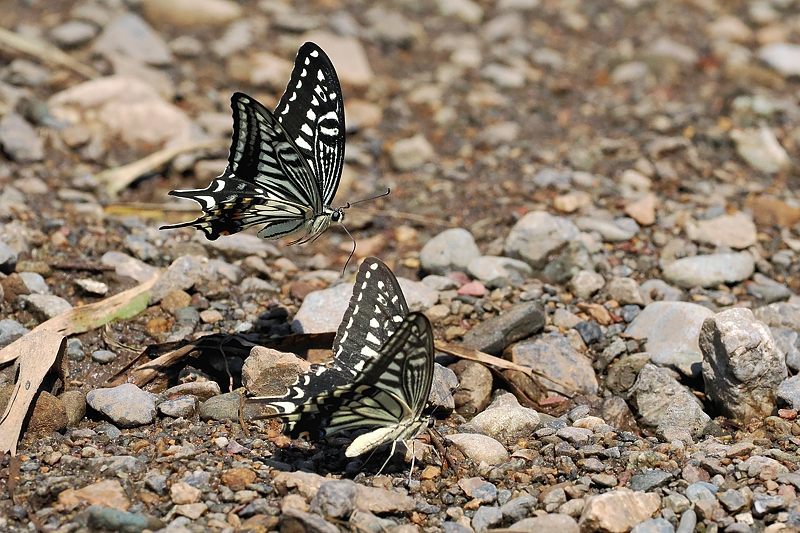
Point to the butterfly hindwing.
(312, 113)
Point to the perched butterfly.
(283, 168)
(381, 373)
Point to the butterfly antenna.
(353, 251)
(348, 205)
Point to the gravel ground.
(603, 192)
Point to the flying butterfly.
(381, 374)
(283, 168)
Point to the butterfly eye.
(337, 215)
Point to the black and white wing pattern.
(282, 172)
(376, 309)
(388, 396)
(312, 113)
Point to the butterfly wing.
(377, 307)
(267, 181)
(312, 113)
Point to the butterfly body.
(284, 167)
(380, 377)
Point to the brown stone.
(238, 478)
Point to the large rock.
(479, 448)
(553, 356)
(710, 270)
(618, 511)
(742, 368)
(347, 53)
(672, 330)
(734, 231)
(538, 234)
(268, 372)
(126, 405)
(493, 335)
(128, 35)
(663, 403)
(505, 420)
(452, 249)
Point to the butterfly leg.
(413, 459)
(391, 454)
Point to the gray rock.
(733, 500)
(654, 525)
(665, 404)
(323, 310)
(91, 286)
(241, 245)
(625, 291)
(103, 356)
(10, 330)
(441, 395)
(129, 35)
(553, 356)
(665, 48)
(789, 392)
(783, 57)
(518, 508)
(495, 334)
(505, 420)
(73, 33)
(618, 510)
(268, 372)
(180, 407)
(569, 260)
(550, 522)
(688, 522)
(75, 404)
(34, 282)
(479, 448)
(221, 407)
(75, 349)
(439, 283)
(410, 154)
(787, 342)
(156, 482)
(538, 234)
(504, 76)
(486, 517)
(8, 259)
(45, 306)
(335, 499)
(18, 139)
(767, 503)
(475, 386)
(452, 249)
(621, 229)
(127, 266)
(648, 481)
(657, 289)
(99, 518)
(496, 271)
(781, 314)
(126, 405)
(585, 283)
(761, 149)
(741, 366)
(589, 331)
(710, 270)
(183, 274)
(768, 290)
(296, 520)
(672, 330)
(733, 231)
(200, 389)
(465, 10)
(419, 296)
(575, 435)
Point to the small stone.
(238, 478)
(211, 316)
(181, 493)
(103, 356)
(200, 389)
(130, 36)
(619, 510)
(479, 448)
(192, 511)
(495, 334)
(475, 387)
(73, 33)
(101, 518)
(552, 355)
(192, 13)
(452, 249)
(589, 331)
(538, 234)
(549, 522)
(465, 10)
(643, 209)
(733, 500)
(505, 420)
(75, 404)
(34, 283)
(108, 493)
(741, 366)
(783, 57)
(8, 259)
(46, 306)
(625, 291)
(734, 231)
(221, 407)
(10, 330)
(410, 154)
(91, 286)
(618, 230)
(654, 525)
(710, 270)
(128, 266)
(585, 283)
(126, 405)
(19, 140)
(181, 407)
(175, 300)
(498, 271)
(268, 372)
(335, 499)
(761, 149)
(486, 517)
(649, 480)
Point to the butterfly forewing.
(376, 309)
(312, 113)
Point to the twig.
(88, 267)
(44, 51)
(118, 178)
(412, 217)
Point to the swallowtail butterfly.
(381, 373)
(283, 168)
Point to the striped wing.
(312, 113)
(390, 393)
(267, 181)
(377, 307)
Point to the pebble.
(552, 356)
(783, 57)
(710, 270)
(654, 525)
(452, 249)
(741, 365)
(221, 407)
(475, 386)
(734, 231)
(91, 286)
(486, 517)
(126, 405)
(203, 390)
(410, 154)
(268, 372)
(103, 356)
(493, 335)
(618, 511)
(335, 499)
(130, 36)
(73, 33)
(649, 480)
(192, 13)
(496, 271)
(585, 283)
(183, 274)
(505, 420)
(127, 266)
(618, 230)
(46, 306)
(549, 522)
(19, 141)
(10, 330)
(625, 291)
(671, 330)
(101, 518)
(466, 11)
(479, 448)
(537, 235)
(768, 290)
(181, 407)
(8, 259)
(75, 404)
(760, 149)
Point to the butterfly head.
(338, 215)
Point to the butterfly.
(283, 168)
(380, 377)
